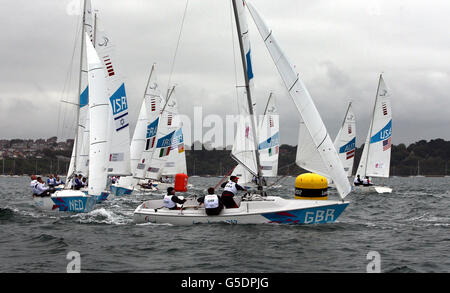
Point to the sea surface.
(409, 229)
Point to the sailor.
(33, 184)
(58, 181)
(84, 182)
(357, 180)
(230, 189)
(213, 203)
(170, 199)
(77, 182)
(51, 181)
(366, 181)
(148, 185)
(41, 189)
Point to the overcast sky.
(339, 48)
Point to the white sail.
(345, 141)
(99, 111)
(243, 150)
(119, 152)
(308, 157)
(305, 107)
(176, 158)
(162, 140)
(269, 139)
(376, 156)
(80, 156)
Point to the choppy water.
(408, 228)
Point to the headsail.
(376, 156)
(305, 106)
(345, 141)
(269, 139)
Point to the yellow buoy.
(311, 186)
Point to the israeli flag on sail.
(120, 108)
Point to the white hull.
(269, 209)
(372, 189)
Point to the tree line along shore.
(429, 158)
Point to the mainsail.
(119, 151)
(305, 107)
(345, 141)
(99, 111)
(376, 156)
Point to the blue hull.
(318, 215)
(102, 197)
(120, 191)
(77, 204)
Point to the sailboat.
(259, 207)
(143, 141)
(106, 119)
(418, 170)
(376, 155)
(268, 145)
(169, 157)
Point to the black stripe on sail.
(122, 127)
(121, 116)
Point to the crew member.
(33, 184)
(170, 199)
(357, 180)
(77, 182)
(230, 189)
(41, 190)
(51, 181)
(58, 181)
(366, 181)
(213, 203)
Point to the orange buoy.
(181, 182)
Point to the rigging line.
(234, 52)
(67, 82)
(178, 44)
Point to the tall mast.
(79, 87)
(371, 127)
(249, 97)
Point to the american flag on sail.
(271, 121)
(385, 112)
(349, 129)
(153, 103)
(350, 154)
(169, 119)
(108, 64)
(386, 144)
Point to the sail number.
(319, 216)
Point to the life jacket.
(40, 188)
(168, 203)
(211, 201)
(231, 187)
(356, 180)
(33, 186)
